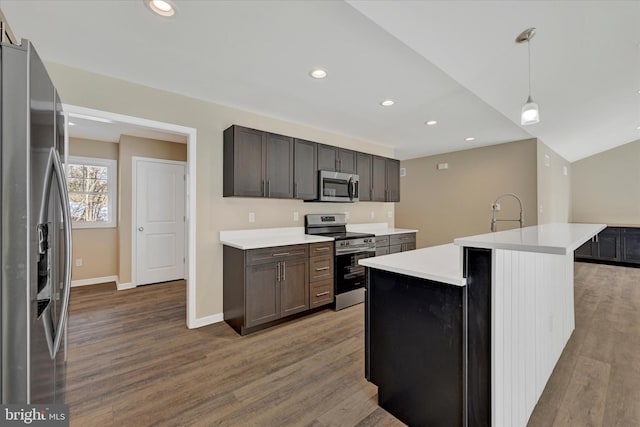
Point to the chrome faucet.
(494, 207)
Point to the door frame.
(191, 135)
(134, 211)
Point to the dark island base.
(428, 345)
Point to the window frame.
(112, 183)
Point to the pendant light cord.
(529, 51)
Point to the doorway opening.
(97, 120)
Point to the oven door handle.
(355, 251)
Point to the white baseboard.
(123, 286)
(207, 320)
(94, 281)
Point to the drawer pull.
(321, 249)
(322, 268)
(323, 293)
(281, 254)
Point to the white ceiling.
(452, 61)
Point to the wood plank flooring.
(597, 379)
(133, 362)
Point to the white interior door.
(159, 221)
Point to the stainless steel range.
(349, 278)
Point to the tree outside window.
(92, 184)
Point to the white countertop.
(268, 237)
(438, 263)
(548, 238)
(378, 229)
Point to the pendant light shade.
(530, 114)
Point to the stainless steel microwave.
(338, 187)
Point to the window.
(92, 191)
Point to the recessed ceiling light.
(431, 123)
(318, 73)
(469, 139)
(71, 124)
(387, 102)
(161, 7)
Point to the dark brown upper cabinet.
(385, 178)
(336, 159)
(379, 179)
(264, 164)
(244, 168)
(257, 163)
(305, 176)
(279, 166)
(363, 168)
(393, 180)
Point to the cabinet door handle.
(277, 272)
(323, 293)
(322, 268)
(264, 187)
(268, 188)
(284, 270)
(295, 190)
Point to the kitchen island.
(469, 333)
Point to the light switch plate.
(252, 217)
(296, 216)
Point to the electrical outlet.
(389, 214)
(252, 217)
(296, 216)
(373, 214)
(346, 215)
(78, 262)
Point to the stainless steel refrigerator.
(36, 231)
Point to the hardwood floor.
(133, 362)
(597, 379)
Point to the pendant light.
(530, 114)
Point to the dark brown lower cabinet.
(395, 243)
(612, 245)
(630, 243)
(294, 287)
(263, 287)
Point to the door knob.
(140, 228)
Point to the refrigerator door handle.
(54, 166)
(66, 218)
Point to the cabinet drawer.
(382, 241)
(382, 251)
(320, 268)
(321, 249)
(397, 239)
(394, 249)
(278, 253)
(321, 294)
